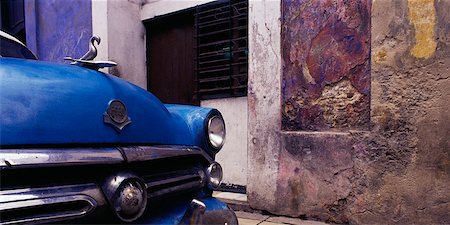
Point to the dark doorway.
(170, 58)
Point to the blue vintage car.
(82, 146)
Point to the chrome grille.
(48, 204)
(72, 186)
(174, 182)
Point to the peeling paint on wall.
(326, 44)
(396, 172)
(339, 100)
(422, 14)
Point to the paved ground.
(240, 205)
(246, 218)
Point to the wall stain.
(380, 56)
(422, 14)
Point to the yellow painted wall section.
(422, 14)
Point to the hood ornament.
(116, 115)
(87, 60)
(92, 53)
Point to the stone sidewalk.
(246, 218)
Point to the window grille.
(221, 62)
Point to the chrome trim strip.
(47, 192)
(11, 158)
(152, 184)
(32, 157)
(46, 201)
(174, 182)
(192, 185)
(50, 201)
(31, 197)
(144, 153)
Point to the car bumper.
(185, 212)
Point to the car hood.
(44, 103)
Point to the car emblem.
(116, 115)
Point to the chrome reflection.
(144, 153)
(11, 158)
(126, 194)
(42, 157)
(174, 182)
(194, 213)
(216, 132)
(58, 203)
(214, 173)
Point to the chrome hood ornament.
(87, 60)
(92, 53)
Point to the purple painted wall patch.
(326, 73)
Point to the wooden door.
(170, 58)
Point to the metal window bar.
(216, 21)
(221, 62)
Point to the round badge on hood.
(116, 115)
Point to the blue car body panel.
(45, 104)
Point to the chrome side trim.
(144, 153)
(23, 199)
(44, 157)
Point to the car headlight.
(214, 174)
(216, 132)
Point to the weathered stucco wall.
(56, 29)
(377, 149)
(402, 167)
(264, 115)
(233, 156)
(119, 25)
(152, 8)
(126, 41)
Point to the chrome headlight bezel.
(214, 175)
(215, 132)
